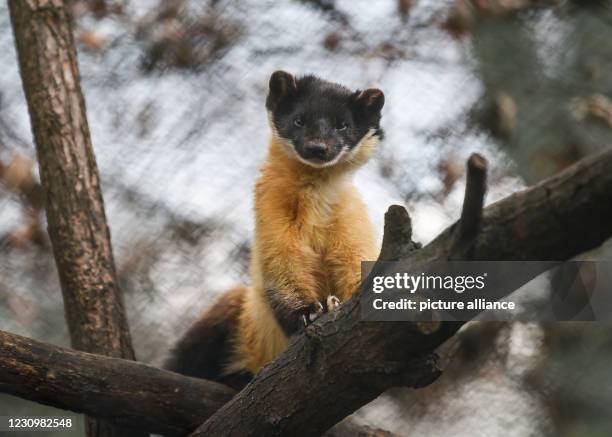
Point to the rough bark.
(341, 363)
(125, 392)
(69, 175)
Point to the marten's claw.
(316, 311)
(332, 302)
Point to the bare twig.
(475, 189)
(397, 239)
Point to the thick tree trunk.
(75, 209)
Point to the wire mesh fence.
(175, 94)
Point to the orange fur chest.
(302, 214)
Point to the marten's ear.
(282, 85)
(371, 100)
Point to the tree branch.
(69, 175)
(126, 393)
(123, 392)
(340, 363)
(397, 237)
(475, 189)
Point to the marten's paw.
(316, 311)
(332, 302)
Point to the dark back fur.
(205, 348)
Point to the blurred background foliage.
(175, 93)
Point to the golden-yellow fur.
(312, 231)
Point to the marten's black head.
(322, 123)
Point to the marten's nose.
(316, 151)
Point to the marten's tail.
(204, 350)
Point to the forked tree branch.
(126, 393)
(342, 363)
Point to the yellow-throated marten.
(311, 230)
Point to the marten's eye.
(341, 125)
(298, 122)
